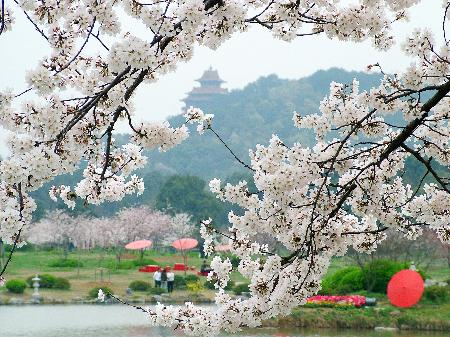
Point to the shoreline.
(381, 318)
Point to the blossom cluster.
(315, 201)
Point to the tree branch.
(427, 165)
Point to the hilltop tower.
(210, 88)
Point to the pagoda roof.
(210, 75)
(207, 91)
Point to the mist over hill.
(243, 118)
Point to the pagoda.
(210, 88)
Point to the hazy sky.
(240, 60)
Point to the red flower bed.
(355, 300)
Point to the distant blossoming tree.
(59, 228)
(345, 191)
(129, 224)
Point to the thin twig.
(230, 150)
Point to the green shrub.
(93, 293)
(49, 281)
(343, 281)
(179, 282)
(378, 273)
(156, 291)
(191, 278)
(61, 283)
(16, 286)
(437, 294)
(66, 263)
(139, 285)
(240, 288)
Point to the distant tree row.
(58, 228)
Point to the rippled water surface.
(121, 321)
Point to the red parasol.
(405, 288)
(185, 244)
(222, 248)
(140, 244)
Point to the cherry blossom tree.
(181, 226)
(129, 224)
(57, 227)
(345, 191)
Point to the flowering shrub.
(194, 286)
(353, 300)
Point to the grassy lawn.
(29, 262)
(99, 264)
(94, 268)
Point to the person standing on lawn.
(164, 279)
(170, 280)
(157, 278)
(205, 268)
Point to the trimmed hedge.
(61, 283)
(343, 282)
(374, 277)
(49, 281)
(140, 285)
(16, 286)
(378, 273)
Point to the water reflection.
(120, 321)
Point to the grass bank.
(97, 269)
(424, 316)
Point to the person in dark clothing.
(164, 279)
(205, 269)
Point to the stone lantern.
(36, 296)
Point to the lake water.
(121, 321)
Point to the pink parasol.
(185, 244)
(222, 248)
(140, 244)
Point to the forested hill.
(246, 117)
(243, 118)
